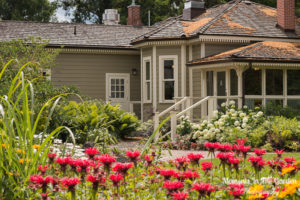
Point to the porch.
(246, 76)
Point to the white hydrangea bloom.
(217, 130)
(242, 115)
(245, 119)
(231, 102)
(245, 107)
(260, 113)
(236, 123)
(223, 104)
(244, 125)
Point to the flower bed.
(191, 177)
(230, 123)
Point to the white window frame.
(161, 77)
(145, 100)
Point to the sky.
(60, 15)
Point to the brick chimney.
(286, 14)
(134, 15)
(192, 9)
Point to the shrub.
(185, 126)
(272, 109)
(91, 116)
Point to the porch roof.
(266, 51)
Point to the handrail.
(193, 106)
(172, 107)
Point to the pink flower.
(122, 167)
(241, 141)
(63, 162)
(96, 180)
(70, 183)
(43, 169)
(148, 159)
(187, 175)
(289, 160)
(203, 189)
(224, 157)
(211, 147)
(259, 152)
(41, 182)
(181, 161)
(206, 166)
(106, 159)
(91, 152)
(194, 158)
(167, 173)
(237, 193)
(172, 186)
(257, 162)
(133, 155)
(224, 147)
(51, 157)
(279, 153)
(180, 195)
(116, 178)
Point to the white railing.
(187, 109)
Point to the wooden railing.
(187, 109)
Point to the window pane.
(294, 104)
(169, 69)
(117, 95)
(275, 102)
(147, 70)
(293, 82)
(233, 82)
(169, 90)
(148, 91)
(221, 84)
(252, 103)
(274, 82)
(210, 83)
(122, 94)
(253, 82)
(122, 81)
(113, 95)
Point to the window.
(168, 78)
(253, 79)
(210, 83)
(293, 82)
(147, 90)
(274, 82)
(233, 83)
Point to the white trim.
(241, 39)
(263, 86)
(285, 87)
(154, 79)
(190, 52)
(191, 82)
(144, 85)
(183, 70)
(161, 74)
(126, 98)
(202, 52)
(142, 92)
(96, 51)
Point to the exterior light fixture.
(134, 72)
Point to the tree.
(27, 10)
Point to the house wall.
(87, 72)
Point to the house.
(190, 64)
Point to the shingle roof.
(261, 51)
(87, 35)
(237, 17)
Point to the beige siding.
(87, 72)
(213, 49)
(196, 51)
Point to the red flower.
(257, 162)
(172, 186)
(187, 175)
(237, 193)
(279, 153)
(224, 147)
(259, 152)
(245, 150)
(106, 159)
(149, 159)
(194, 158)
(211, 147)
(234, 162)
(96, 180)
(203, 189)
(289, 160)
(41, 182)
(51, 157)
(91, 152)
(180, 195)
(181, 161)
(206, 166)
(224, 157)
(70, 183)
(167, 173)
(43, 169)
(122, 167)
(133, 155)
(116, 178)
(45, 196)
(241, 141)
(63, 162)
(82, 165)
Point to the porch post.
(183, 70)
(173, 125)
(191, 82)
(239, 72)
(142, 88)
(156, 125)
(285, 87)
(154, 79)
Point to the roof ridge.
(205, 27)
(152, 32)
(237, 54)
